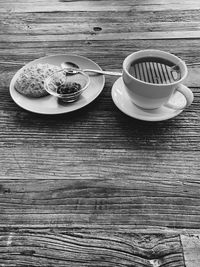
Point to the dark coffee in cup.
(155, 70)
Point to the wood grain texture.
(50, 247)
(75, 26)
(100, 6)
(101, 202)
(95, 187)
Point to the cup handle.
(187, 93)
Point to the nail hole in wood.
(97, 29)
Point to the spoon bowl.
(69, 65)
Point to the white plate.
(49, 104)
(123, 102)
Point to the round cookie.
(30, 81)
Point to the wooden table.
(96, 187)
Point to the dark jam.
(68, 88)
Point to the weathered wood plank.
(172, 136)
(62, 5)
(101, 36)
(75, 23)
(121, 17)
(71, 248)
(28, 163)
(135, 202)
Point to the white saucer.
(49, 104)
(123, 102)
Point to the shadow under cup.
(151, 77)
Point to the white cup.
(153, 95)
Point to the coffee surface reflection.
(155, 70)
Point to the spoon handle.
(113, 73)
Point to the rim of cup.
(155, 53)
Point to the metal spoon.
(72, 65)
